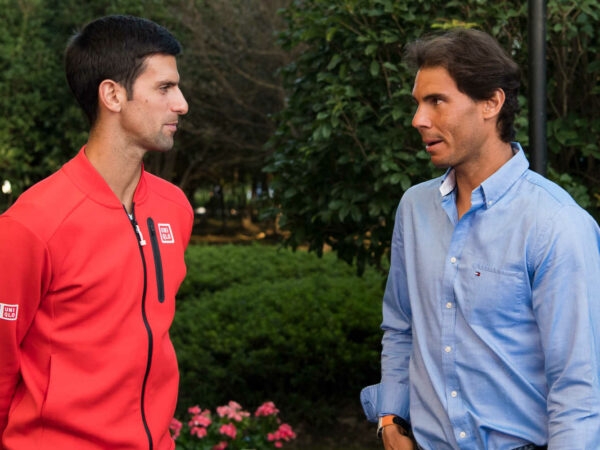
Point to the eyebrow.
(431, 96)
(168, 83)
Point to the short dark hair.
(478, 65)
(112, 47)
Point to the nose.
(421, 119)
(180, 105)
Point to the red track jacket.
(87, 297)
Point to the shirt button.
(453, 260)
(462, 435)
(453, 394)
(449, 305)
(448, 349)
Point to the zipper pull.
(141, 239)
(136, 227)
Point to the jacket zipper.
(141, 243)
(157, 261)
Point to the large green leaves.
(345, 150)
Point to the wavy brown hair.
(478, 65)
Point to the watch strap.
(384, 421)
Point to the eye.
(164, 88)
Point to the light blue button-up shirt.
(492, 322)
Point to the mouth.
(430, 144)
(172, 126)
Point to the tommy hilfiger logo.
(9, 312)
(166, 234)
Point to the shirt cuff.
(382, 399)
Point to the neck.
(121, 170)
(470, 176)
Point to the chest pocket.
(491, 296)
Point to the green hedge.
(257, 323)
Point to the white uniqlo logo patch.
(166, 235)
(9, 312)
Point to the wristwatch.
(384, 421)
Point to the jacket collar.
(89, 181)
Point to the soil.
(349, 433)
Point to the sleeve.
(24, 275)
(391, 395)
(566, 302)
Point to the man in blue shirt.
(491, 313)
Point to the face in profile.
(150, 117)
(451, 124)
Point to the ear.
(493, 105)
(111, 95)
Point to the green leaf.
(330, 33)
(371, 49)
(335, 60)
(374, 68)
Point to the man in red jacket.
(91, 259)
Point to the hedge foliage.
(345, 150)
(257, 323)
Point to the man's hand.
(394, 440)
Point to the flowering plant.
(232, 428)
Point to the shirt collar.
(88, 180)
(448, 182)
(499, 182)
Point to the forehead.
(434, 80)
(160, 67)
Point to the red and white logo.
(166, 234)
(9, 312)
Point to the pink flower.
(285, 432)
(232, 411)
(222, 411)
(194, 410)
(266, 409)
(235, 405)
(218, 433)
(200, 420)
(228, 430)
(175, 427)
(200, 432)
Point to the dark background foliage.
(345, 150)
(320, 82)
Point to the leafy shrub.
(256, 323)
(345, 151)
